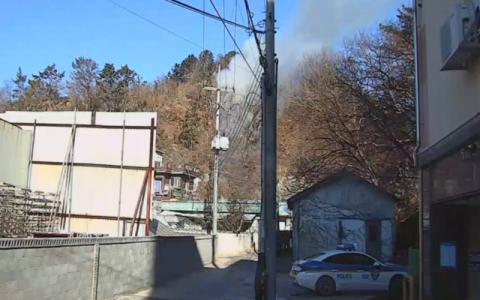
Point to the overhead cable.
(239, 126)
(233, 131)
(155, 24)
(252, 25)
(212, 16)
(234, 41)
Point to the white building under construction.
(97, 170)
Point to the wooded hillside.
(350, 108)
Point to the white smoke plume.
(315, 24)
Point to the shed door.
(373, 245)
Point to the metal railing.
(55, 242)
(176, 168)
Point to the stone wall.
(104, 267)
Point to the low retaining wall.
(95, 268)
(231, 244)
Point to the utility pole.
(215, 163)
(219, 143)
(269, 168)
(261, 269)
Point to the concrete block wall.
(124, 265)
(46, 273)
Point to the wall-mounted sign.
(475, 260)
(448, 255)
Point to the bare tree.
(323, 225)
(6, 92)
(361, 114)
(233, 221)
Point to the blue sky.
(36, 33)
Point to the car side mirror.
(377, 264)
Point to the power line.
(235, 33)
(224, 43)
(240, 124)
(212, 16)
(249, 41)
(233, 39)
(234, 148)
(244, 106)
(229, 155)
(252, 25)
(155, 24)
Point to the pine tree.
(189, 132)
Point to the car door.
(341, 270)
(370, 275)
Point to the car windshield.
(314, 256)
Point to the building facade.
(106, 179)
(343, 208)
(448, 129)
(175, 181)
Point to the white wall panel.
(95, 226)
(104, 146)
(50, 117)
(100, 146)
(131, 118)
(95, 190)
(51, 143)
(14, 154)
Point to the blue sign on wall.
(448, 255)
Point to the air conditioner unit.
(459, 44)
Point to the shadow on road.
(228, 279)
(231, 279)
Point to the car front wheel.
(325, 286)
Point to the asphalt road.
(230, 279)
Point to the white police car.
(340, 270)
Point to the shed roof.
(331, 179)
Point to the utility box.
(459, 41)
(220, 143)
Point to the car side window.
(360, 259)
(339, 259)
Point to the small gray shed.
(343, 208)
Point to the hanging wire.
(235, 37)
(235, 42)
(224, 45)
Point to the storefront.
(450, 226)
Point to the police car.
(345, 269)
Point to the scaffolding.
(23, 212)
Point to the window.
(360, 259)
(314, 256)
(176, 182)
(340, 259)
(187, 186)
(158, 186)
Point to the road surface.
(230, 279)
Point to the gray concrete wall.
(124, 265)
(14, 154)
